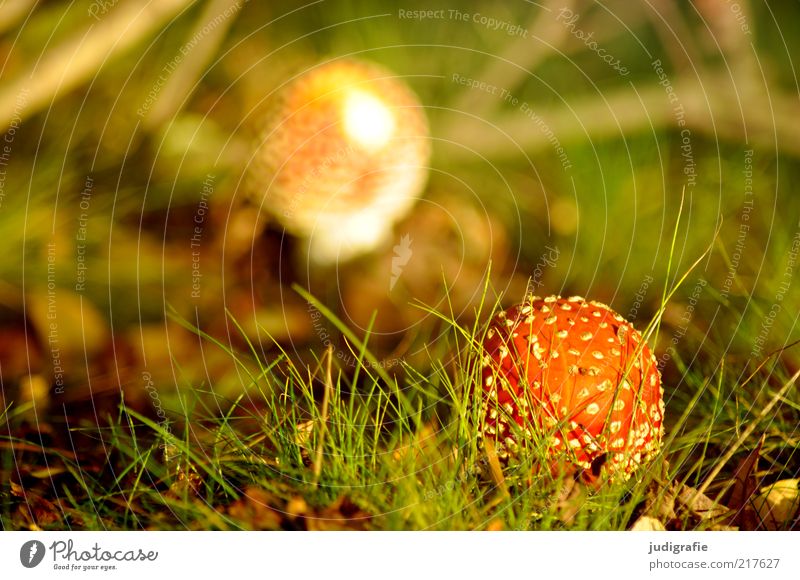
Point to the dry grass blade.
(210, 29)
(747, 433)
(494, 468)
(323, 421)
(14, 11)
(744, 487)
(522, 52)
(80, 57)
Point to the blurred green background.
(148, 102)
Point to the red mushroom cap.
(578, 377)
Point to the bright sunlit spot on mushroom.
(367, 120)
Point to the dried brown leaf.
(699, 506)
(777, 504)
(647, 524)
(744, 487)
(660, 499)
(35, 512)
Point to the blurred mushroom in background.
(343, 156)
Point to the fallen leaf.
(744, 487)
(699, 506)
(659, 501)
(777, 504)
(647, 524)
(35, 511)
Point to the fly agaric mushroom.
(578, 378)
(344, 155)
